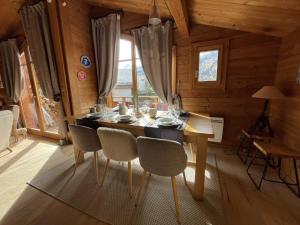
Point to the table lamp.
(267, 93)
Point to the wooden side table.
(271, 148)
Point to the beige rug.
(112, 205)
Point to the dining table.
(197, 130)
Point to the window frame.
(222, 47)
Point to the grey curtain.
(106, 37)
(11, 70)
(36, 27)
(154, 45)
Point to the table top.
(276, 148)
(197, 124)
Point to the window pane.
(124, 81)
(208, 66)
(146, 94)
(144, 87)
(28, 99)
(125, 50)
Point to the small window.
(208, 66)
(210, 59)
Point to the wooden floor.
(22, 204)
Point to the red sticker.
(81, 75)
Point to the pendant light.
(154, 18)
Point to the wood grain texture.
(179, 12)
(285, 114)
(272, 17)
(251, 64)
(77, 41)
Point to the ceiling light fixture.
(154, 18)
(63, 3)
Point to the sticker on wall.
(81, 75)
(85, 61)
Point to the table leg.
(201, 150)
(81, 156)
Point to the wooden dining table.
(197, 130)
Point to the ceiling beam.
(178, 11)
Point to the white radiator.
(218, 126)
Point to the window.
(123, 88)
(208, 66)
(210, 59)
(131, 78)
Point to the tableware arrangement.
(167, 122)
(124, 118)
(152, 112)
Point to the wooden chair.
(85, 139)
(246, 144)
(173, 162)
(118, 145)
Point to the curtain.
(11, 70)
(106, 37)
(37, 31)
(154, 45)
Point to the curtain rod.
(116, 11)
(144, 25)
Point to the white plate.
(96, 114)
(166, 122)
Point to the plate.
(166, 122)
(96, 114)
(124, 118)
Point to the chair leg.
(140, 188)
(184, 178)
(96, 166)
(175, 198)
(129, 179)
(76, 162)
(105, 171)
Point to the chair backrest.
(6, 121)
(161, 157)
(84, 138)
(119, 145)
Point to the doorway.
(40, 115)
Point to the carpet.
(111, 203)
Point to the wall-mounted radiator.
(218, 126)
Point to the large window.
(210, 59)
(123, 90)
(131, 78)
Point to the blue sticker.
(85, 61)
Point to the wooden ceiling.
(271, 17)
(9, 18)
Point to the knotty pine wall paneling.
(252, 61)
(77, 41)
(285, 114)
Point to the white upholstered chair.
(164, 158)
(118, 145)
(85, 139)
(6, 122)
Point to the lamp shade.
(268, 92)
(154, 18)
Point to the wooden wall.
(252, 64)
(77, 41)
(285, 114)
